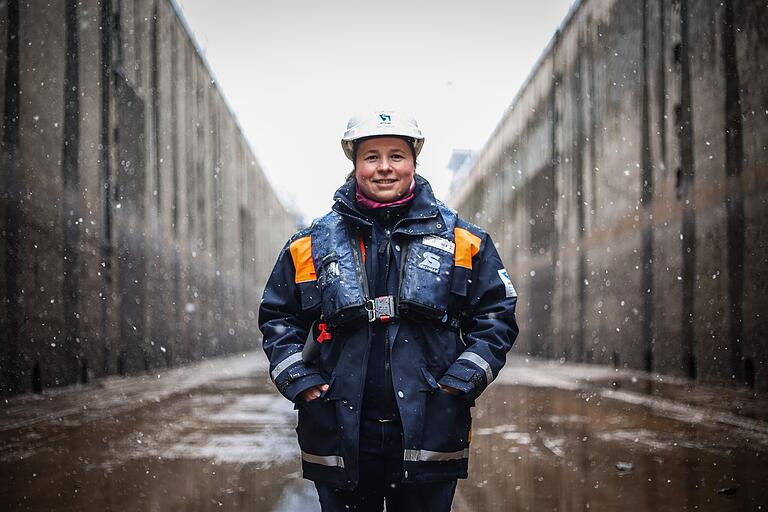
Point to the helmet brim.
(349, 145)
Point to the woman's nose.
(384, 164)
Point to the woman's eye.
(370, 158)
(397, 157)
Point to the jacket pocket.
(447, 418)
(425, 288)
(429, 380)
(318, 430)
(310, 295)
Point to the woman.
(414, 314)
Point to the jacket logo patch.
(510, 289)
(431, 262)
(439, 243)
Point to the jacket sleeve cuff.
(292, 376)
(466, 379)
(292, 388)
(451, 381)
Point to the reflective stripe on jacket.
(315, 273)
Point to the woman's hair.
(356, 145)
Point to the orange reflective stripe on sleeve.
(301, 253)
(467, 245)
(362, 249)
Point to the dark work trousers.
(381, 475)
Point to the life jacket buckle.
(381, 308)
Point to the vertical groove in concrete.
(646, 201)
(157, 330)
(554, 199)
(662, 83)
(106, 175)
(734, 155)
(190, 177)
(661, 97)
(121, 348)
(119, 33)
(578, 165)
(190, 156)
(155, 77)
(688, 228)
(592, 59)
(175, 83)
(215, 165)
(71, 183)
(592, 48)
(218, 299)
(10, 379)
(131, 240)
(175, 200)
(551, 211)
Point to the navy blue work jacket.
(465, 348)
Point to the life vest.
(427, 270)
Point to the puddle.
(544, 438)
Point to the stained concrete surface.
(546, 436)
(625, 189)
(138, 225)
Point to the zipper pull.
(385, 246)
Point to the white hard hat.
(381, 123)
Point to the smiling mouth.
(384, 182)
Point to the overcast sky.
(294, 71)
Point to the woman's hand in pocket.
(314, 392)
(450, 390)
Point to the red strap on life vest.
(324, 335)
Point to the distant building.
(459, 164)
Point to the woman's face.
(384, 168)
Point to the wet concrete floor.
(546, 437)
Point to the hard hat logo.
(381, 124)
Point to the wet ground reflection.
(546, 437)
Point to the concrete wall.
(627, 189)
(138, 228)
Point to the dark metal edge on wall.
(106, 178)
(71, 183)
(734, 157)
(646, 201)
(12, 197)
(688, 228)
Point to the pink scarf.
(366, 202)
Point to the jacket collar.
(423, 207)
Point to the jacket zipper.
(389, 391)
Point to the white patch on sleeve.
(504, 276)
(439, 243)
